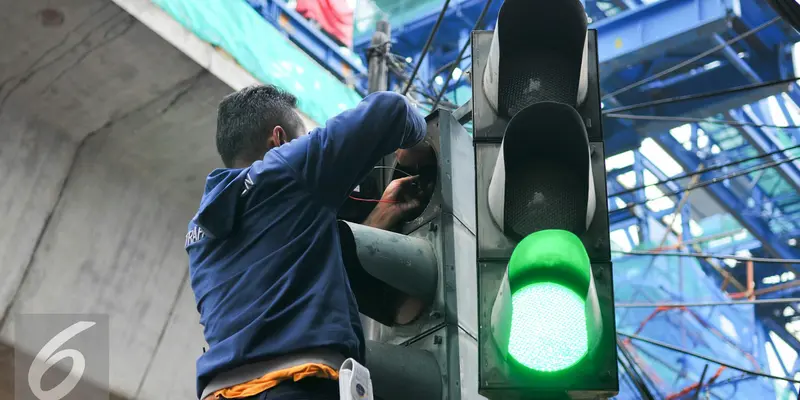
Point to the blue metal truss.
(732, 202)
(640, 35)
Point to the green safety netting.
(265, 52)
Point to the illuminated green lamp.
(546, 316)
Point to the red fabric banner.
(335, 17)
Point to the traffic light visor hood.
(546, 316)
(542, 178)
(537, 53)
(388, 272)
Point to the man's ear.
(278, 137)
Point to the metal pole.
(378, 81)
(377, 69)
(700, 383)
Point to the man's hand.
(419, 156)
(400, 197)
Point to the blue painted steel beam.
(620, 133)
(594, 12)
(765, 142)
(759, 138)
(621, 220)
(730, 202)
(645, 33)
(765, 62)
(733, 57)
(695, 73)
(794, 94)
(756, 12)
(769, 323)
(620, 137)
(613, 174)
(674, 187)
(312, 41)
(781, 362)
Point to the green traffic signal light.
(548, 315)
(548, 327)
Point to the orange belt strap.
(272, 379)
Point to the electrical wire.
(676, 371)
(698, 96)
(631, 372)
(393, 169)
(446, 66)
(372, 200)
(693, 59)
(427, 45)
(733, 380)
(400, 70)
(708, 303)
(376, 200)
(460, 78)
(716, 256)
(706, 358)
(709, 182)
(698, 120)
(698, 386)
(460, 57)
(397, 69)
(704, 170)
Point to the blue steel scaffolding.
(750, 214)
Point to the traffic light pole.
(377, 70)
(378, 79)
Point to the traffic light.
(546, 314)
(417, 286)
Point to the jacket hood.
(217, 212)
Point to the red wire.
(698, 386)
(713, 330)
(372, 200)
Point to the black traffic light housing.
(539, 75)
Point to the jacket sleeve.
(333, 159)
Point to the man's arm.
(333, 159)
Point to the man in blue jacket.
(264, 254)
